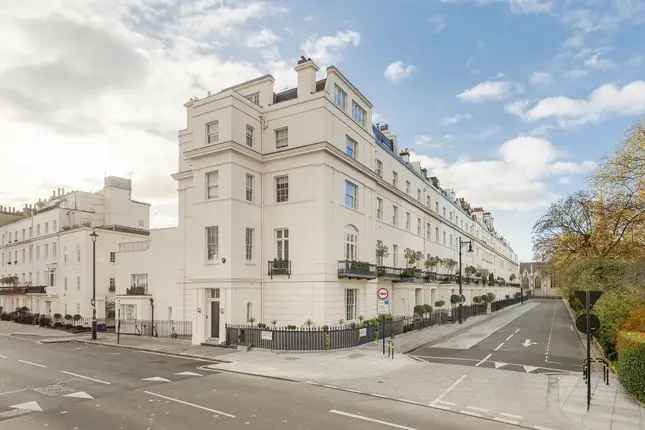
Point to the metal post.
(118, 326)
(152, 326)
(460, 293)
(93, 235)
(383, 332)
(588, 305)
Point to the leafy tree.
(412, 257)
(382, 252)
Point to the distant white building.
(46, 249)
(274, 190)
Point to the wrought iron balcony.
(136, 291)
(279, 267)
(356, 270)
(386, 272)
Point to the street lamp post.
(93, 235)
(470, 249)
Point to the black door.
(215, 319)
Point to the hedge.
(631, 362)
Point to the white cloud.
(520, 179)
(517, 107)
(261, 39)
(426, 141)
(437, 23)
(598, 63)
(327, 49)
(604, 101)
(397, 71)
(457, 118)
(108, 90)
(487, 91)
(516, 6)
(540, 78)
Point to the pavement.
(530, 381)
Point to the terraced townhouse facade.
(283, 197)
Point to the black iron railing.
(356, 270)
(279, 267)
(136, 291)
(388, 272)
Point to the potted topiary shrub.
(77, 318)
(427, 310)
(419, 310)
(68, 321)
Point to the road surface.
(73, 387)
(543, 340)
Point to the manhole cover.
(53, 390)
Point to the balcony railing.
(387, 272)
(136, 291)
(29, 289)
(356, 270)
(279, 267)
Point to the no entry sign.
(382, 293)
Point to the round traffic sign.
(594, 323)
(382, 293)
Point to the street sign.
(266, 335)
(382, 293)
(594, 323)
(593, 297)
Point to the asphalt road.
(542, 340)
(72, 386)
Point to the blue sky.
(511, 102)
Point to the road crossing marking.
(371, 420)
(528, 342)
(156, 379)
(79, 395)
(499, 364)
(509, 337)
(483, 360)
(187, 373)
(99, 381)
(31, 363)
(449, 389)
(498, 346)
(183, 402)
(28, 406)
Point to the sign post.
(382, 294)
(588, 324)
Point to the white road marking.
(449, 389)
(79, 395)
(527, 343)
(542, 428)
(14, 413)
(474, 414)
(28, 406)
(183, 402)
(475, 408)
(529, 369)
(3, 356)
(443, 402)
(516, 331)
(99, 381)
(517, 417)
(498, 346)
(31, 363)
(507, 421)
(499, 364)
(371, 420)
(547, 352)
(436, 406)
(509, 337)
(156, 379)
(14, 391)
(188, 373)
(434, 357)
(483, 360)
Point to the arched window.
(351, 243)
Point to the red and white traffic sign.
(382, 293)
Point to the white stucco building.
(46, 249)
(274, 189)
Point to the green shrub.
(631, 362)
(439, 303)
(419, 309)
(613, 309)
(477, 300)
(427, 309)
(490, 297)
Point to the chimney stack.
(306, 70)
